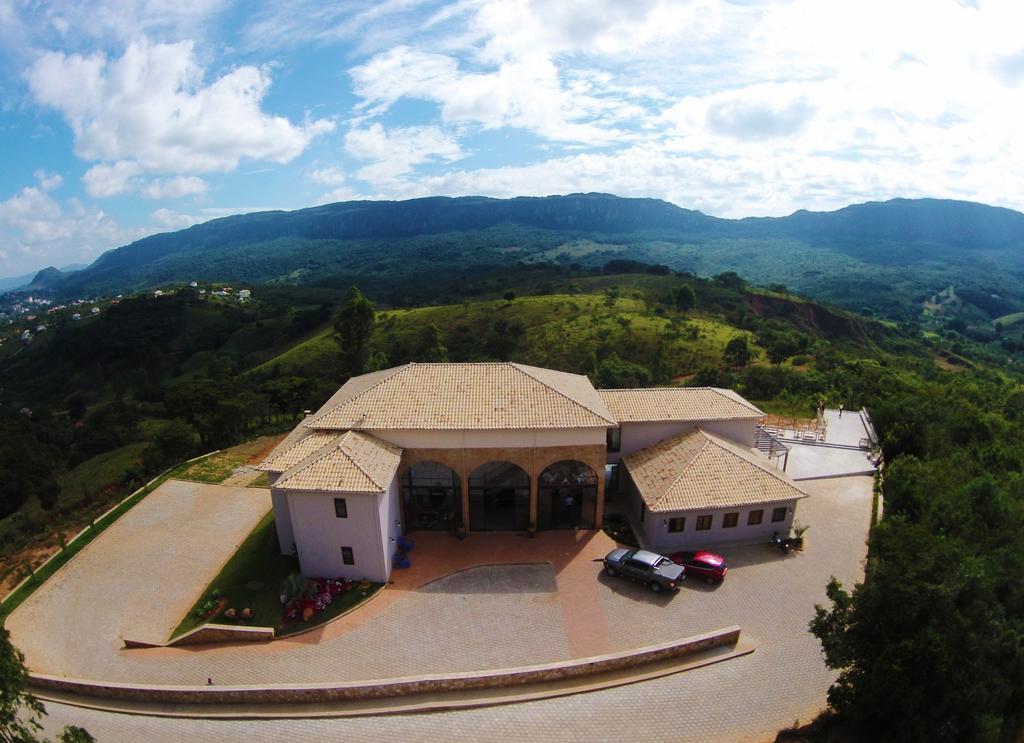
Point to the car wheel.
(655, 586)
(611, 571)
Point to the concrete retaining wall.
(413, 685)
(223, 633)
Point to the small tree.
(430, 345)
(75, 734)
(684, 297)
(737, 351)
(616, 372)
(509, 296)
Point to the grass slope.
(561, 331)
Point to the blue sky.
(119, 119)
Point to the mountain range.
(882, 257)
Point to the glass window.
(730, 520)
(754, 517)
(347, 557)
(340, 508)
(778, 514)
(704, 522)
(614, 439)
(676, 524)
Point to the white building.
(472, 448)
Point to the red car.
(707, 565)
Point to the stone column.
(534, 475)
(464, 479)
(599, 510)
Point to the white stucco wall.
(408, 439)
(390, 522)
(637, 436)
(658, 537)
(320, 535)
(282, 520)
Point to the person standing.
(840, 410)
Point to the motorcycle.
(784, 544)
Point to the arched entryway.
(567, 496)
(433, 497)
(499, 497)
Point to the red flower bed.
(320, 595)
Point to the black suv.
(657, 571)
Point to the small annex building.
(697, 488)
(478, 447)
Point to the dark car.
(707, 565)
(657, 571)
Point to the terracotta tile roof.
(677, 404)
(466, 397)
(354, 463)
(298, 445)
(698, 470)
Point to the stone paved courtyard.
(513, 614)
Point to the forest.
(929, 647)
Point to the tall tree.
(684, 297)
(19, 710)
(354, 327)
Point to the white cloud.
(48, 181)
(396, 152)
(102, 181)
(151, 107)
(525, 93)
(173, 188)
(331, 176)
(35, 230)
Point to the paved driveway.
(137, 579)
(512, 614)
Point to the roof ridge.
(730, 448)
(324, 413)
(310, 460)
(294, 445)
(355, 461)
(522, 368)
(680, 439)
(734, 396)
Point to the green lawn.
(253, 578)
(214, 469)
(262, 481)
